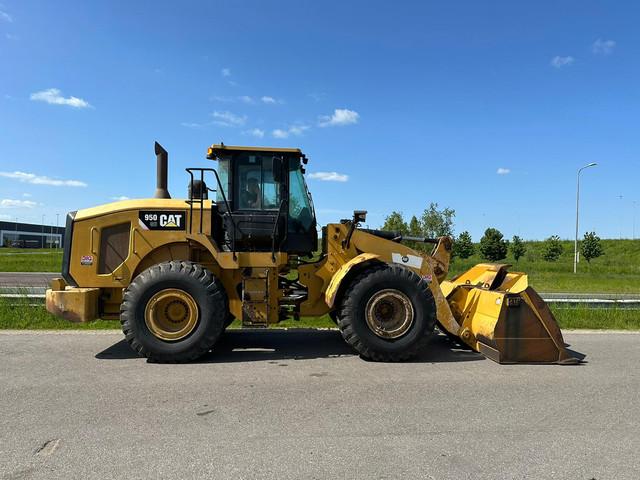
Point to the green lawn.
(30, 260)
(23, 316)
(617, 271)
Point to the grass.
(21, 315)
(617, 271)
(30, 260)
(598, 318)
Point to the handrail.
(275, 228)
(201, 202)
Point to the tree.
(518, 248)
(463, 246)
(552, 249)
(414, 227)
(415, 230)
(437, 223)
(395, 223)
(591, 247)
(493, 247)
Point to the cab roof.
(219, 149)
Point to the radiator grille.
(114, 247)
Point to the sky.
(488, 108)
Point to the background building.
(28, 235)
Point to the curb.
(119, 332)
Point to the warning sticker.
(408, 260)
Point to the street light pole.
(575, 245)
(42, 232)
(635, 204)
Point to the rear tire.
(387, 313)
(174, 312)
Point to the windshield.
(301, 213)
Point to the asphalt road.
(26, 279)
(299, 404)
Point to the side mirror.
(359, 216)
(277, 167)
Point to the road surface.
(26, 279)
(299, 404)
(34, 284)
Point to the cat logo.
(161, 220)
(169, 221)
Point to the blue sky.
(485, 107)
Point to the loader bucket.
(503, 318)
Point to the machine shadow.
(270, 345)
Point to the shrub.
(552, 249)
(518, 248)
(591, 247)
(463, 246)
(492, 245)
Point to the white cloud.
(503, 171)
(256, 132)
(226, 72)
(246, 99)
(9, 203)
(41, 179)
(603, 47)
(329, 176)
(221, 98)
(26, 195)
(279, 133)
(120, 198)
(559, 62)
(269, 100)
(296, 130)
(53, 96)
(4, 216)
(192, 124)
(4, 16)
(340, 117)
(228, 119)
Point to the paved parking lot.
(299, 404)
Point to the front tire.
(174, 312)
(387, 313)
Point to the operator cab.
(263, 203)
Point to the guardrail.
(587, 300)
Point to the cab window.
(256, 187)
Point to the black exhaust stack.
(161, 176)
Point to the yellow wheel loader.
(243, 245)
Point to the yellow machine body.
(489, 309)
(503, 318)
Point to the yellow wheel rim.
(171, 314)
(389, 313)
